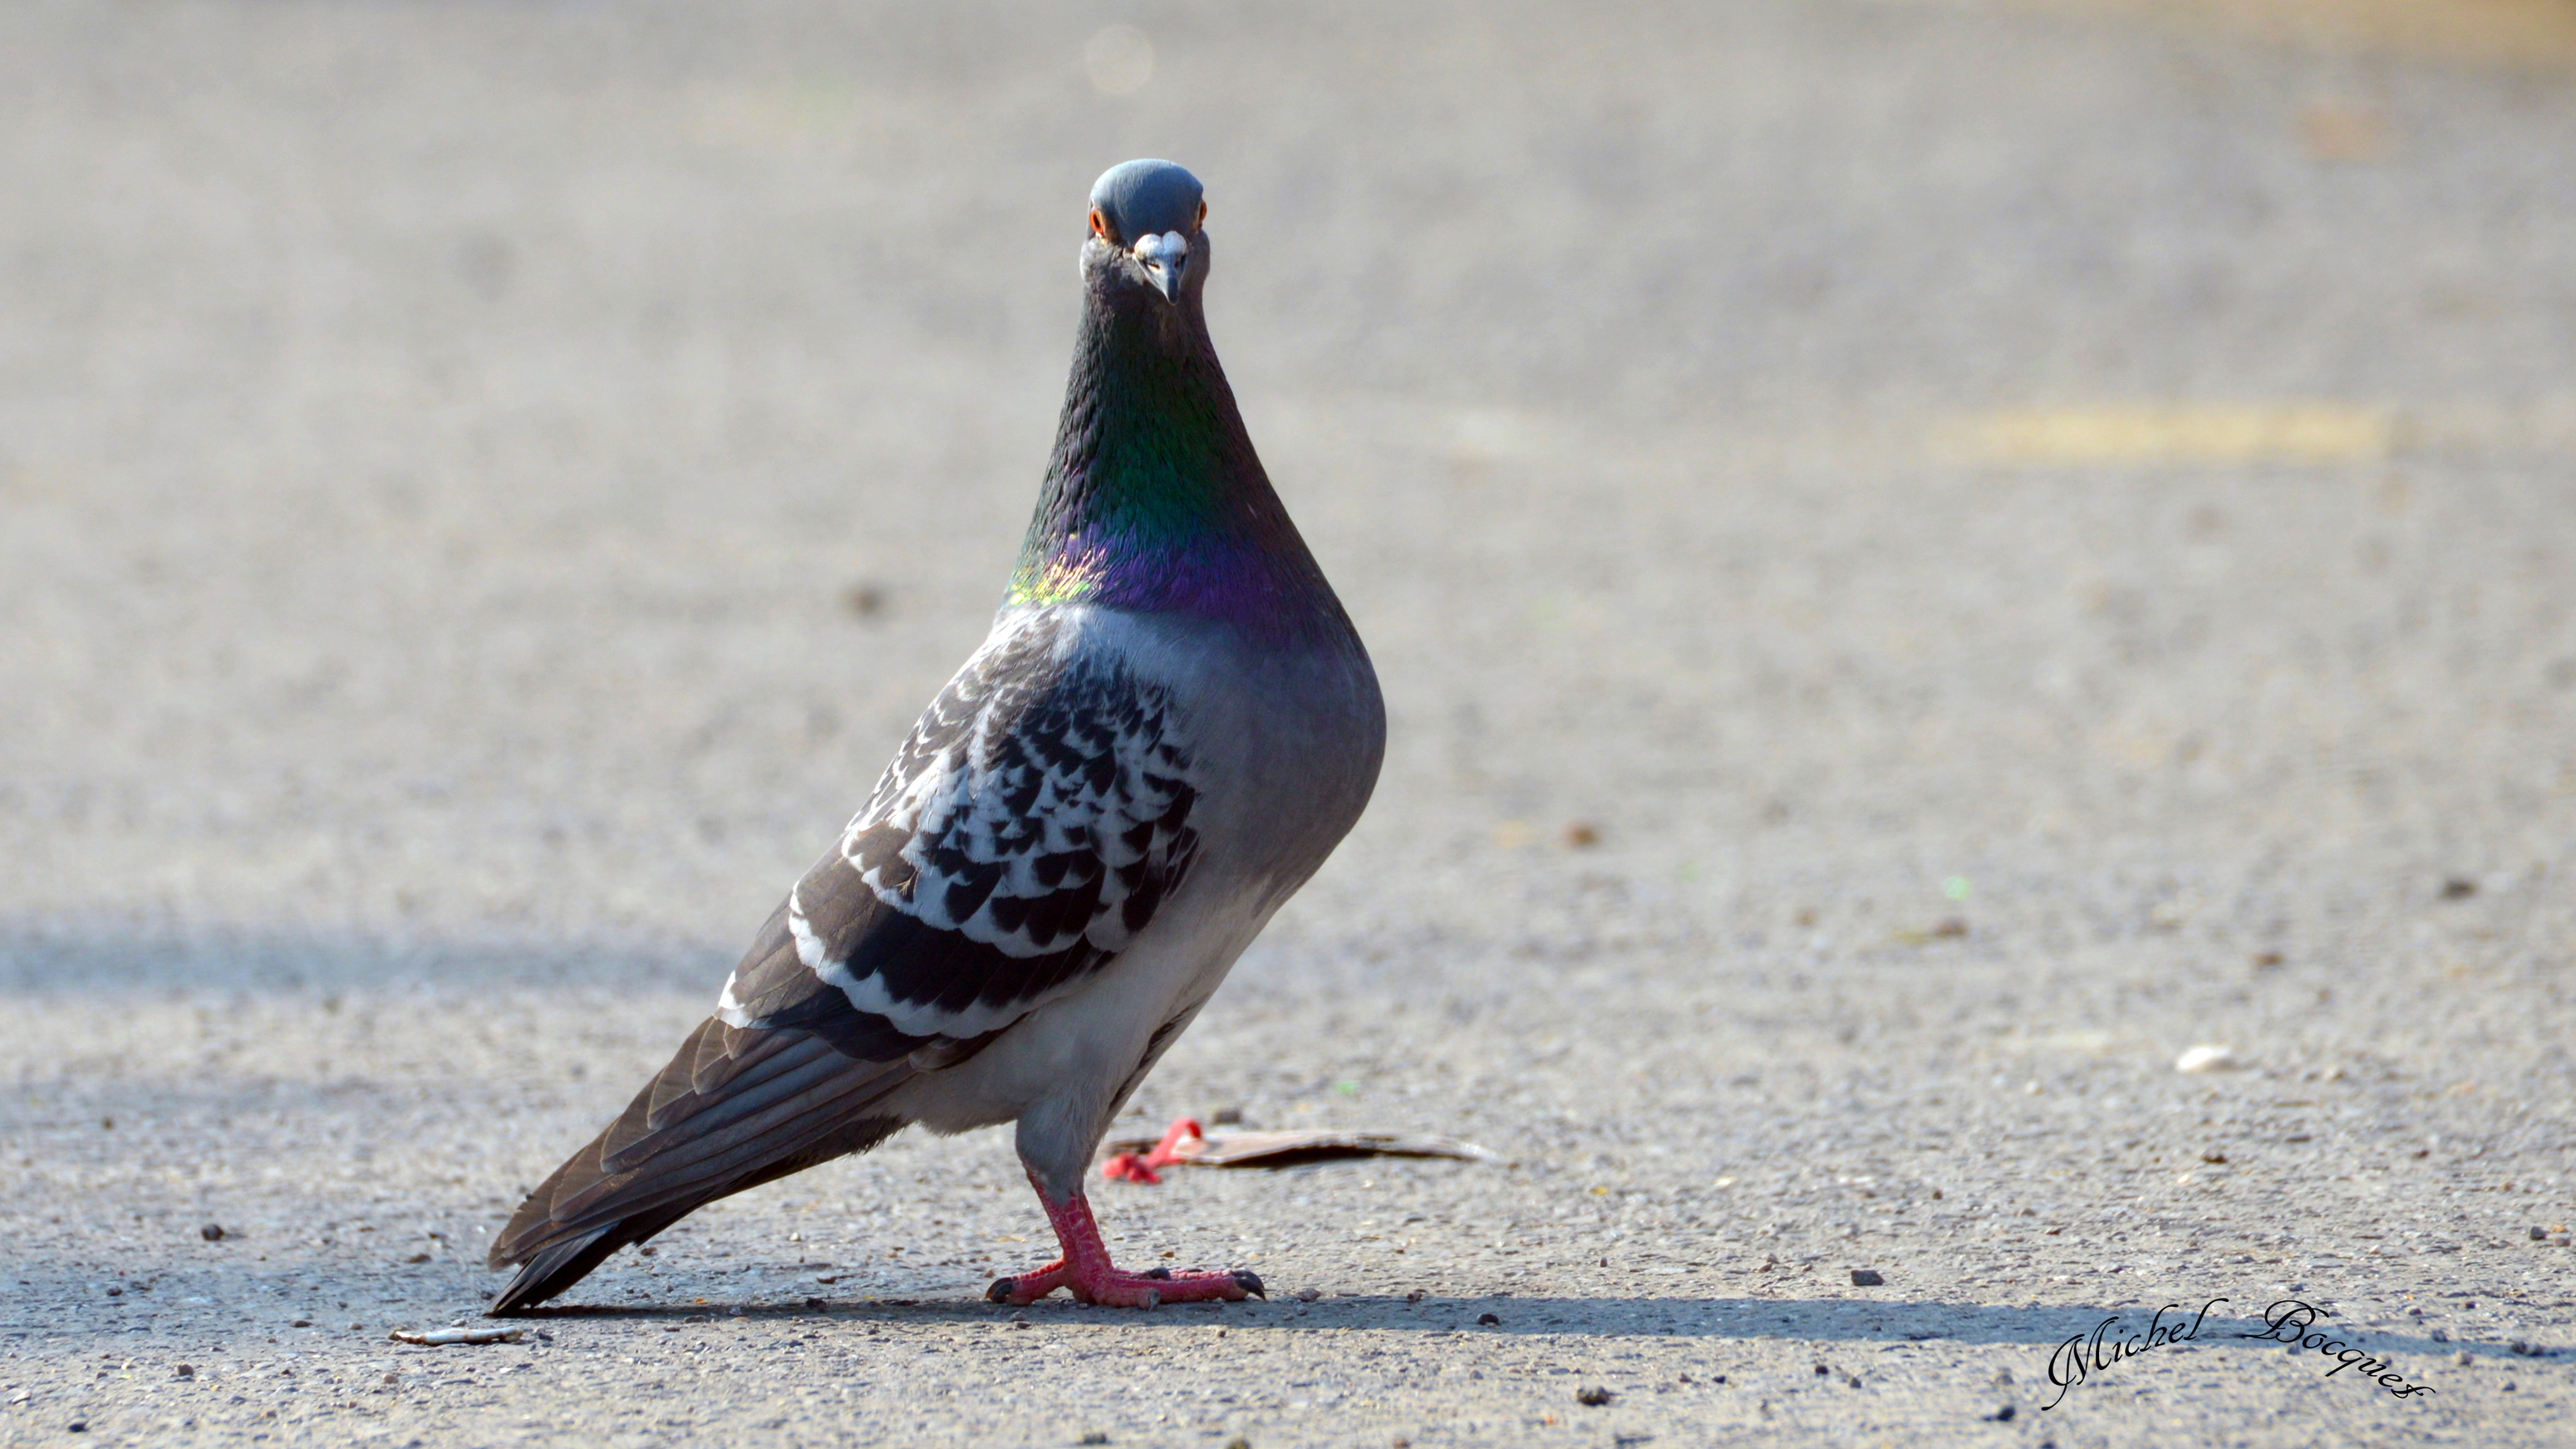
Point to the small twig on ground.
(441, 1337)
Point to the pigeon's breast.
(1287, 739)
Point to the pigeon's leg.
(1086, 1272)
(1140, 1166)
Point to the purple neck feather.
(1154, 499)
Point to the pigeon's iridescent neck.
(1154, 499)
(1206, 577)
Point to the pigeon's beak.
(1166, 260)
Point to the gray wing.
(1031, 826)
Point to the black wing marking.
(1033, 823)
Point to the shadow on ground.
(109, 958)
(1825, 1320)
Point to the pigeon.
(1170, 726)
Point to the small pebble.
(1866, 1278)
(2459, 888)
(212, 1232)
(2207, 1058)
(1592, 1397)
(1307, 1295)
(184, 1371)
(1489, 1320)
(2003, 1415)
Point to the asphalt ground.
(1926, 560)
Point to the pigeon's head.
(1145, 232)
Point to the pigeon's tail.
(555, 1268)
(736, 1108)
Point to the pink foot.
(1140, 1167)
(1086, 1272)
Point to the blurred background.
(513, 471)
(1926, 557)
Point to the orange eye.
(1099, 224)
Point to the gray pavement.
(1926, 559)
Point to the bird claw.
(1086, 1271)
(1114, 1289)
